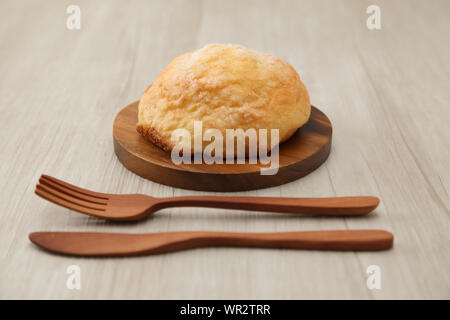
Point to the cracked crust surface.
(225, 87)
(152, 135)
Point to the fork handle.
(325, 206)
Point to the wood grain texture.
(385, 91)
(304, 152)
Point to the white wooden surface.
(386, 92)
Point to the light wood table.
(386, 92)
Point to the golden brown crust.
(153, 136)
(225, 87)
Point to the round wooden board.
(305, 151)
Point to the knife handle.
(318, 240)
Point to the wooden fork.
(139, 206)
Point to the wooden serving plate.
(305, 151)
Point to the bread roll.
(225, 87)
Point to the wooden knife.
(127, 244)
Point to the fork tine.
(71, 187)
(73, 194)
(68, 198)
(69, 205)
